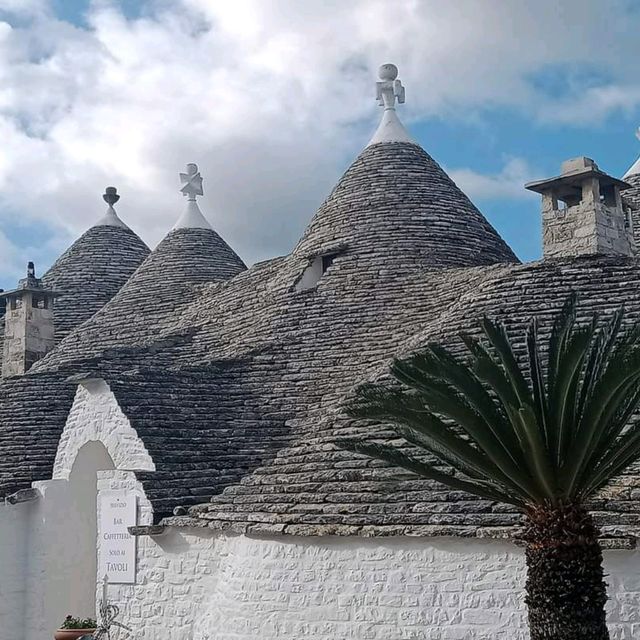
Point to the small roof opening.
(315, 270)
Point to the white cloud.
(592, 105)
(10, 255)
(506, 184)
(271, 99)
(24, 7)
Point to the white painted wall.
(60, 567)
(14, 521)
(96, 416)
(196, 585)
(48, 546)
(193, 584)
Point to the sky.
(273, 99)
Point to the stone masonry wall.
(585, 229)
(174, 573)
(194, 585)
(96, 416)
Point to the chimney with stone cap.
(28, 324)
(583, 213)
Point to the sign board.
(117, 555)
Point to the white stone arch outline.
(96, 416)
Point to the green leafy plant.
(545, 433)
(78, 623)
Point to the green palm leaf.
(398, 458)
(536, 430)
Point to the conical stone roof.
(91, 271)
(274, 357)
(188, 256)
(632, 196)
(397, 204)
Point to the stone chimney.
(583, 213)
(28, 324)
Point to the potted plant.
(73, 628)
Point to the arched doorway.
(92, 457)
(67, 536)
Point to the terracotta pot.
(72, 634)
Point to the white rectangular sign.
(117, 557)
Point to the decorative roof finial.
(111, 196)
(110, 218)
(388, 90)
(191, 182)
(192, 218)
(389, 87)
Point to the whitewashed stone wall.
(48, 546)
(44, 547)
(96, 416)
(195, 585)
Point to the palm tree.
(544, 438)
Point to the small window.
(327, 261)
(314, 271)
(608, 195)
(628, 219)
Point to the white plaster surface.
(59, 570)
(390, 129)
(14, 520)
(192, 218)
(196, 585)
(110, 219)
(311, 275)
(96, 416)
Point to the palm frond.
(540, 400)
(401, 459)
(564, 393)
(529, 429)
(497, 335)
(620, 377)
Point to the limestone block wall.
(196, 585)
(585, 228)
(29, 335)
(174, 573)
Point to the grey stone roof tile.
(236, 385)
(89, 273)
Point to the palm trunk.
(566, 592)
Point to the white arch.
(96, 416)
